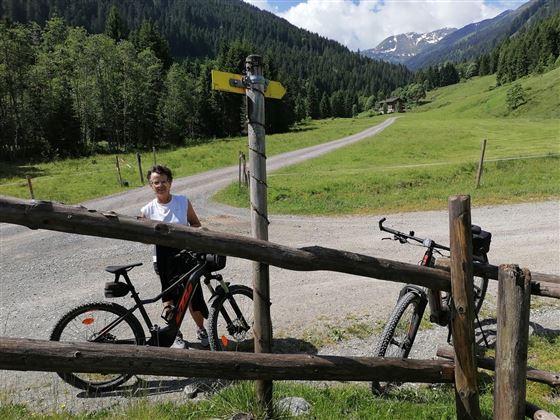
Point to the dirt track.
(45, 273)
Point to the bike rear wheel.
(480, 285)
(83, 324)
(400, 331)
(231, 320)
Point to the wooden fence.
(513, 309)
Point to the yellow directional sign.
(274, 90)
(231, 82)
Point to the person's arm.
(192, 218)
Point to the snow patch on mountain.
(398, 48)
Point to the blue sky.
(362, 24)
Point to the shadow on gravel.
(489, 328)
(293, 345)
(143, 388)
(146, 387)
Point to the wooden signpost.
(256, 88)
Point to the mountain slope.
(201, 28)
(481, 37)
(400, 48)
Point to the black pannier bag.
(215, 262)
(481, 242)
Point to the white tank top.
(173, 212)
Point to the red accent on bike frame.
(426, 260)
(183, 304)
(225, 341)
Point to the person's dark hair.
(162, 170)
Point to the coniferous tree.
(337, 104)
(312, 101)
(325, 106)
(148, 36)
(115, 27)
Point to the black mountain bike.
(400, 331)
(230, 319)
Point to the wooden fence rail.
(80, 220)
(535, 375)
(74, 219)
(55, 356)
(547, 285)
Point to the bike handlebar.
(404, 237)
(213, 262)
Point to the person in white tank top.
(170, 208)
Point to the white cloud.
(364, 23)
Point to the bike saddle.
(121, 268)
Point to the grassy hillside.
(432, 153)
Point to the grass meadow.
(76, 180)
(431, 153)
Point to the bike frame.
(190, 279)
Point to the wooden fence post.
(139, 159)
(241, 176)
(30, 187)
(512, 336)
(259, 216)
(480, 163)
(462, 315)
(154, 152)
(119, 170)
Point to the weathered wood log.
(259, 216)
(462, 308)
(54, 356)
(536, 413)
(74, 219)
(488, 363)
(547, 285)
(512, 340)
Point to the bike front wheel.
(231, 320)
(400, 331)
(86, 323)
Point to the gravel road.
(46, 273)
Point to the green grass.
(336, 401)
(432, 153)
(77, 180)
(340, 401)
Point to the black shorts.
(168, 269)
